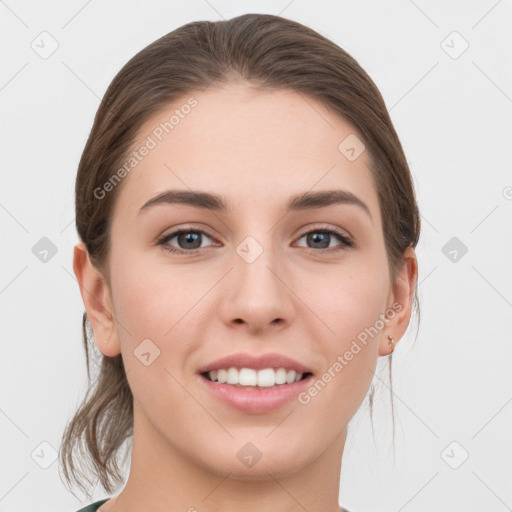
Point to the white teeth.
(232, 376)
(281, 376)
(247, 377)
(267, 377)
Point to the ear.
(400, 301)
(97, 300)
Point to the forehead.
(256, 148)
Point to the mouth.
(254, 398)
(255, 384)
(250, 378)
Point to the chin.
(253, 460)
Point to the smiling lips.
(243, 370)
(265, 361)
(267, 377)
(255, 384)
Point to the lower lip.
(256, 400)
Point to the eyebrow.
(303, 201)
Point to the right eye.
(190, 239)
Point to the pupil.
(189, 237)
(318, 237)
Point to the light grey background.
(453, 113)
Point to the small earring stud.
(391, 341)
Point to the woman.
(247, 226)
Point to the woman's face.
(255, 278)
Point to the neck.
(162, 478)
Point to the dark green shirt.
(93, 506)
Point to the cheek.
(352, 305)
(360, 302)
(151, 298)
(161, 304)
(348, 300)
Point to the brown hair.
(268, 53)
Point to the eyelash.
(345, 241)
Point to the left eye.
(324, 236)
(190, 241)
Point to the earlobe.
(402, 295)
(97, 301)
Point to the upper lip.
(261, 362)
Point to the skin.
(256, 149)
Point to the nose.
(257, 295)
